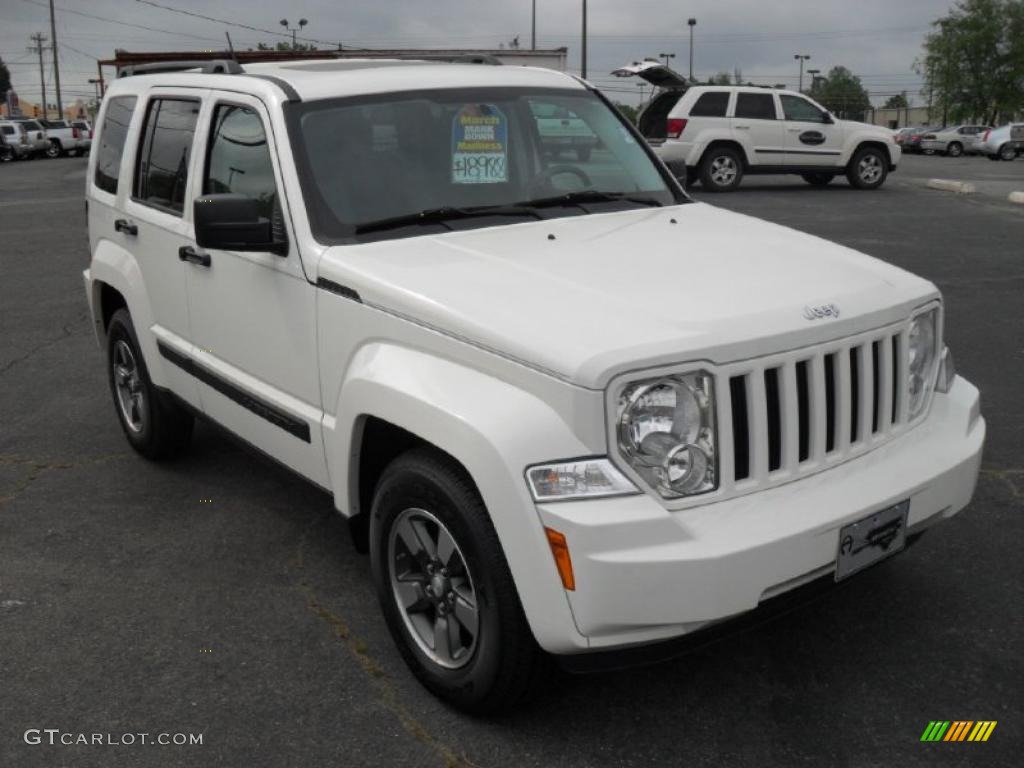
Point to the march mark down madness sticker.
(479, 145)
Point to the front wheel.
(721, 170)
(1007, 152)
(445, 588)
(155, 426)
(53, 150)
(868, 168)
(817, 179)
(955, 149)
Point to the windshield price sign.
(479, 145)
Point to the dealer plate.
(871, 539)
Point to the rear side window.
(9, 130)
(710, 104)
(239, 159)
(755, 106)
(162, 171)
(113, 133)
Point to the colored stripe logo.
(958, 730)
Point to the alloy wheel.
(723, 170)
(869, 168)
(131, 398)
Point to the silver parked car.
(953, 140)
(1002, 143)
(38, 140)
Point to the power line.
(124, 23)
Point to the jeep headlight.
(922, 358)
(666, 432)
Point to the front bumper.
(644, 573)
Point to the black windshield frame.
(325, 226)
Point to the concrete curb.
(960, 187)
(1016, 197)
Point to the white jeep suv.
(722, 132)
(566, 408)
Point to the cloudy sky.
(877, 39)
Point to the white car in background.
(1002, 143)
(722, 132)
(954, 140)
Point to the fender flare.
(493, 429)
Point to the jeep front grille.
(799, 412)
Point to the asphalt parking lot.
(220, 595)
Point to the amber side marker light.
(560, 551)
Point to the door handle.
(123, 225)
(794, 130)
(742, 127)
(188, 253)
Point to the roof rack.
(206, 66)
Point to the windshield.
(405, 164)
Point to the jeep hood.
(584, 298)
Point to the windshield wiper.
(445, 214)
(589, 196)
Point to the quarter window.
(113, 133)
(239, 159)
(162, 171)
(800, 109)
(711, 104)
(755, 106)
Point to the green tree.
(973, 61)
(722, 78)
(627, 111)
(841, 92)
(899, 101)
(283, 46)
(5, 78)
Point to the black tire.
(54, 149)
(1007, 152)
(954, 149)
(583, 154)
(995, 158)
(868, 168)
(505, 665)
(6, 157)
(721, 169)
(163, 428)
(817, 179)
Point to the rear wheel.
(868, 168)
(817, 179)
(1007, 152)
(955, 149)
(445, 588)
(155, 426)
(54, 150)
(721, 170)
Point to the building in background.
(901, 117)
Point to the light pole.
(641, 86)
(814, 77)
(293, 30)
(533, 27)
(666, 57)
(692, 23)
(802, 57)
(583, 59)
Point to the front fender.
(494, 429)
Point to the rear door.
(809, 139)
(756, 125)
(158, 220)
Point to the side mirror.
(232, 222)
(826, 118)
(678, 169)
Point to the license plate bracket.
(873, 538)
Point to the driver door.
(812, 137)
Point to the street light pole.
(802, 57)
(293, 30)
(814, 77)
(56, 65)
(666, 57)
(583, 60)
(533, 27)
(692, 23)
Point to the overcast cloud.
(877, 39)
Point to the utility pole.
(583, 60)
(533, 27)
(39, 39)
(56, 66)
(802, 58)
(692, 23)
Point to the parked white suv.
(723, 132)
(567, 409)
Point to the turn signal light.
(560, 551)
(676, 126)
